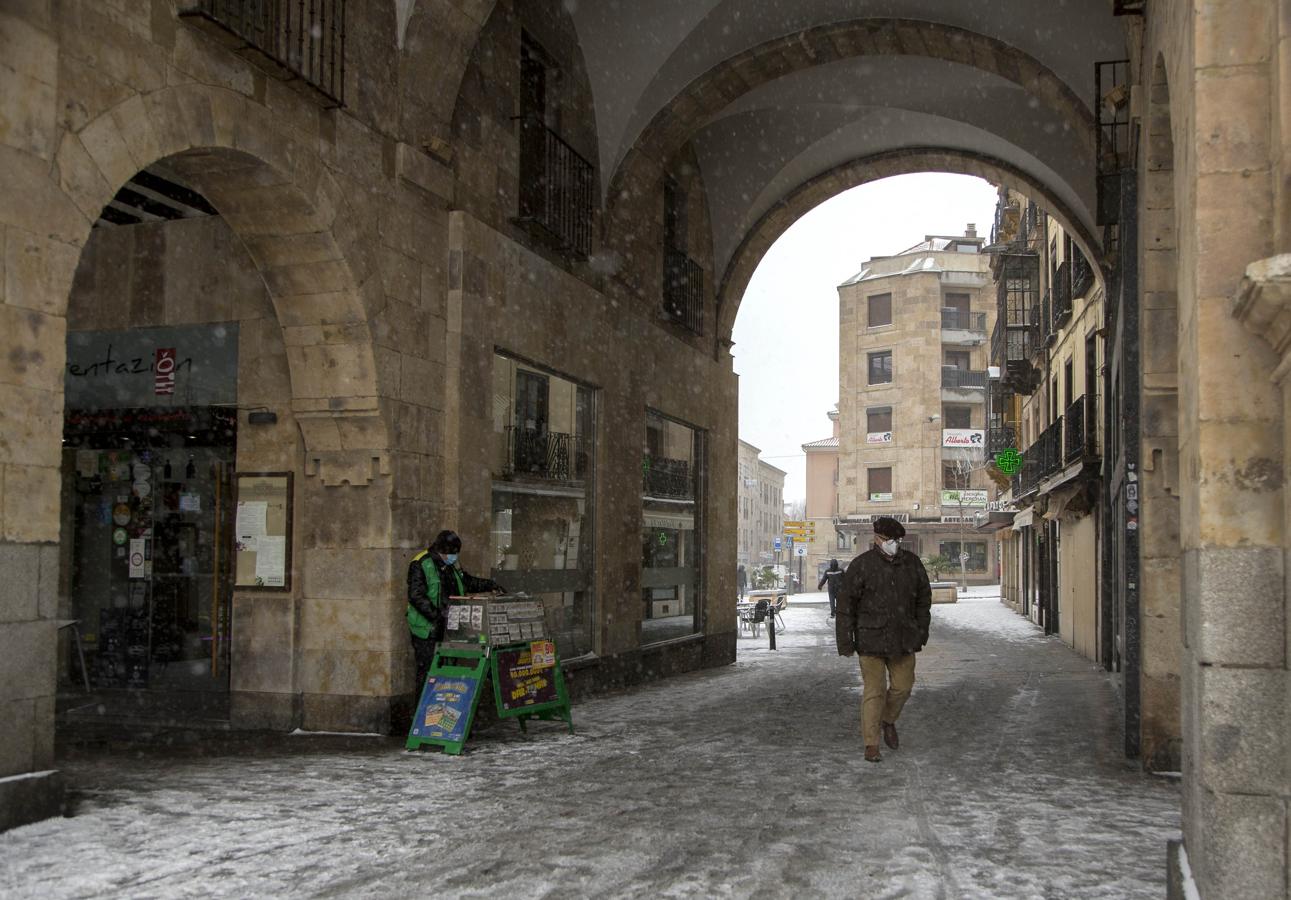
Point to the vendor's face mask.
(450, 558)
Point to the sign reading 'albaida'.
(187, 365)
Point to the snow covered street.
(741, 781)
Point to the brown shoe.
(890, 734)
(872, 753)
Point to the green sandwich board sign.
(527, 684)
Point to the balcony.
(1041, 459)
(1061, 296)
(1015, 339)
(1000, 438)
(683, 291)
(1082, 275)
(955, 378)
(961, 320)
(291, 40)
(556, 186)
(670, 478)
(1080, 436)
(547, 455)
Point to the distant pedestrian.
(741, 581)
(433, 577)
(884, 609)
(833, 577)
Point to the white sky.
(786, 333)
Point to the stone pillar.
(1231, 461)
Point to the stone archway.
(284, 205)
(808, 196)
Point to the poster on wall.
(262, 531)
(526, 675)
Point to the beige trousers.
(887, 682)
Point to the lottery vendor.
(433, 577)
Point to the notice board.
(262, 531)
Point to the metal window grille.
(556, 186)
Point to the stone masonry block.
(338, 573)
(1233, 119)
(1233, 33)
(1234, 226)
(81, 178)
(106, 145)
(1243, 853)
(17, 750)
(1240, 491)
(30, 504)
(27, 660)
(30, 425)
(1235, 605)
(36, 346)
(19, 582)
(28, 109)
(135, 127)
(37, 271)
(1244, 725)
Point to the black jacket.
(885, 605)
(834, 577)
(419, 597)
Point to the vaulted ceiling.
(771, 134)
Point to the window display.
(670, 576)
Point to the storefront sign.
(963, 437)
(189, 365)
(878, 437)
(880, 498)
(963, 498)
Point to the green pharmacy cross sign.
(1008, 461)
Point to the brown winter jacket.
(884, 606)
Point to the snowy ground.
(744, 781)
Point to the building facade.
(444, 200)
(761, 509)
(821, 508)
(1048, 352)
(913, 359)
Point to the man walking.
(833, 577)
(884, 610)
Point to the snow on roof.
(821, 444)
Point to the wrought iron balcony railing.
(1061, 296)
(962, 320)
(1000, 438)
(683, 290)
(556, 187)
(1042, 458)
(664, 477)
(962, 379)
(303, 38)
(1080, 435)
(1082, 274)
(549, 455)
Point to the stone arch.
(811, 194)
(280, 200)
(436, 39)
(673, 125)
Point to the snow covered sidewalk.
(741, 781)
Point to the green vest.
(419, 625)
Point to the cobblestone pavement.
(745, 781)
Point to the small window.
(881, 367)
(880, 312)
(957, 416)
(950, 478)
(878, 420)
(958, 302)
(879, 482)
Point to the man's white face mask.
(890, 547)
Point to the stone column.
(1231, 462)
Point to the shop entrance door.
(151, 517)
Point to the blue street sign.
(777, 543)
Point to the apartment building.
(761, 507)
(913, 357)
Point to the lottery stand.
(499, 637)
